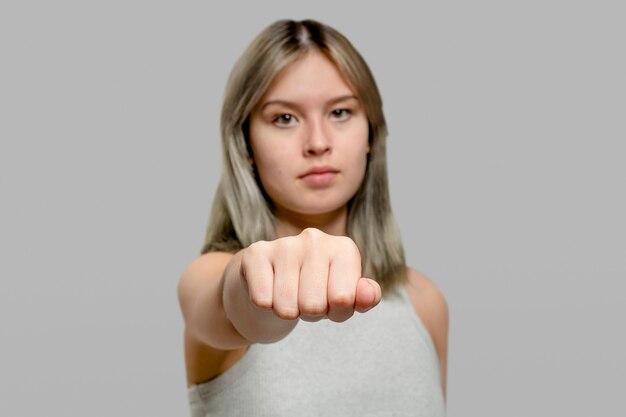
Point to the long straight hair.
(242, 213)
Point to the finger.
(258, 276)
(368, 295)
(312, 291)
(344, 273)
(286, 278)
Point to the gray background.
(507, 175)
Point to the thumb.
(368, 295)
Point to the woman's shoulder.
(426, 296)
(205, 265)
(208, 266)
(432, 308)
(428, 300)
(208, 260)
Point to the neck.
(333, 223)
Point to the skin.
(309, 118)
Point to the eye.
(284, 119)
(340, 114)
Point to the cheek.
(360, 145)
(270, 175)
(271, 170)
(362, 156)
(362, 134)
(362, 163)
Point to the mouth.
(319, 176)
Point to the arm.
(213, 294)
(200, 294)
(230, 301)
(212, 344)
(432, 308)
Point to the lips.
(319, 176)
(320, 170)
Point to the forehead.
(312, 76)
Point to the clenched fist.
(312, 275)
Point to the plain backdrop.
(506, 161)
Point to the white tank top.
(380, 363)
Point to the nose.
(317, 139)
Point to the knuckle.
(285, 244)
(342, 316)
(311, 231)
(254, 251)
(341, 299)
(313, 307)
(348, 244)
(256, 246)
(261, 302)
(286, 312)
(312, 234)
(311, 319)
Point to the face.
(309, 137)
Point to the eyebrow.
(291, 104)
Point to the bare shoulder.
(432, 308)
(208, 266)
(427, 298)
(211, 262)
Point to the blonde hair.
(242, 213)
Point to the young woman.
(301, 237)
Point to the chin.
(326, 207)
